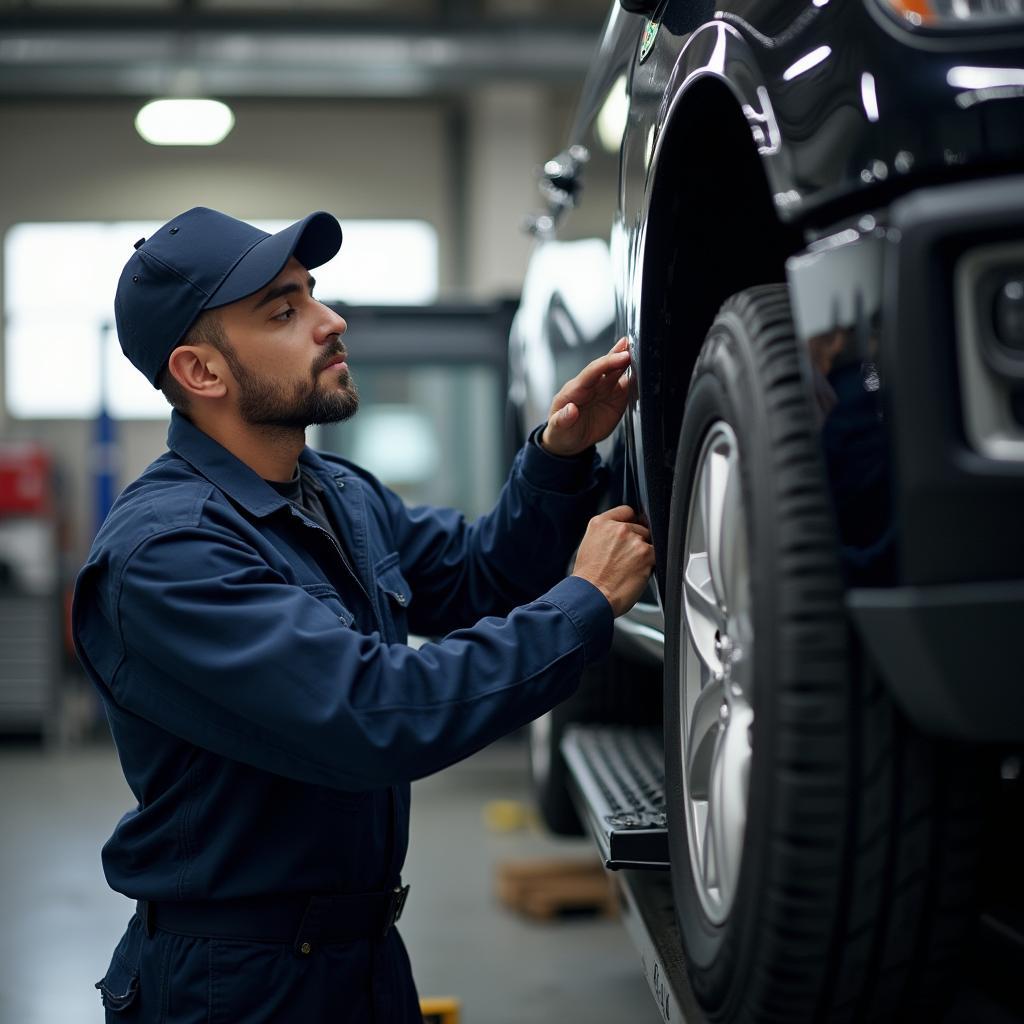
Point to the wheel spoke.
(717, 473)
(727, 805)
(730, 556)
(709, 869)
(704, 617)
(705, 722)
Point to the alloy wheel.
(716, 668)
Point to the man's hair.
(206, 327)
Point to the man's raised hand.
(587, 408)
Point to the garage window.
(61, 355)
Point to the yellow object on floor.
(508, 815)
(440, 1009)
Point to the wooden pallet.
(544, 889)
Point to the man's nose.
(331, 324)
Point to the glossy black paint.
(824, 138)
(761, 138)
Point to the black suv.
(808, 218)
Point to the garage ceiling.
(227, 48)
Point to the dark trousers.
(176, 979)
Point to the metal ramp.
(619, 780)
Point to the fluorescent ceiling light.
(184, 122)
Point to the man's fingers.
(625, 517)
(640, 531)
(583, 389)
(566, 415)
(601, 371)
(619, 514)
(610, 383)
(614, 362)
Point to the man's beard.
(267, 402)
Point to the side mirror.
(560, 178)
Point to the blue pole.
(105, 453)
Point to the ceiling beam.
(189, 52)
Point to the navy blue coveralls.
(269, 715)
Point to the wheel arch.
(711, 230)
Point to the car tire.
(822, 851)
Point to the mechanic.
(244, 612)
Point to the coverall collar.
(242, 484)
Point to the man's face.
(286, 356)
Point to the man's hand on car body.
(589, 406)
(617, 557)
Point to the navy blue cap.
(200, 260)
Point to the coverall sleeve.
(221, 651)
(459, 571)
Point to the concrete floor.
(60, 921)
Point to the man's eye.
(285, 315)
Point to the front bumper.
(949, 654)
(930, 514)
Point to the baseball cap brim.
(312, 241)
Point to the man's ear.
(199, 370)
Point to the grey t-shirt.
(304, 490)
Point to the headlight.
(988, 289)
(1008, 311)
(947, 14)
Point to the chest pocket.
(328, 596)
(395, 594)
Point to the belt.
(304, 921)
